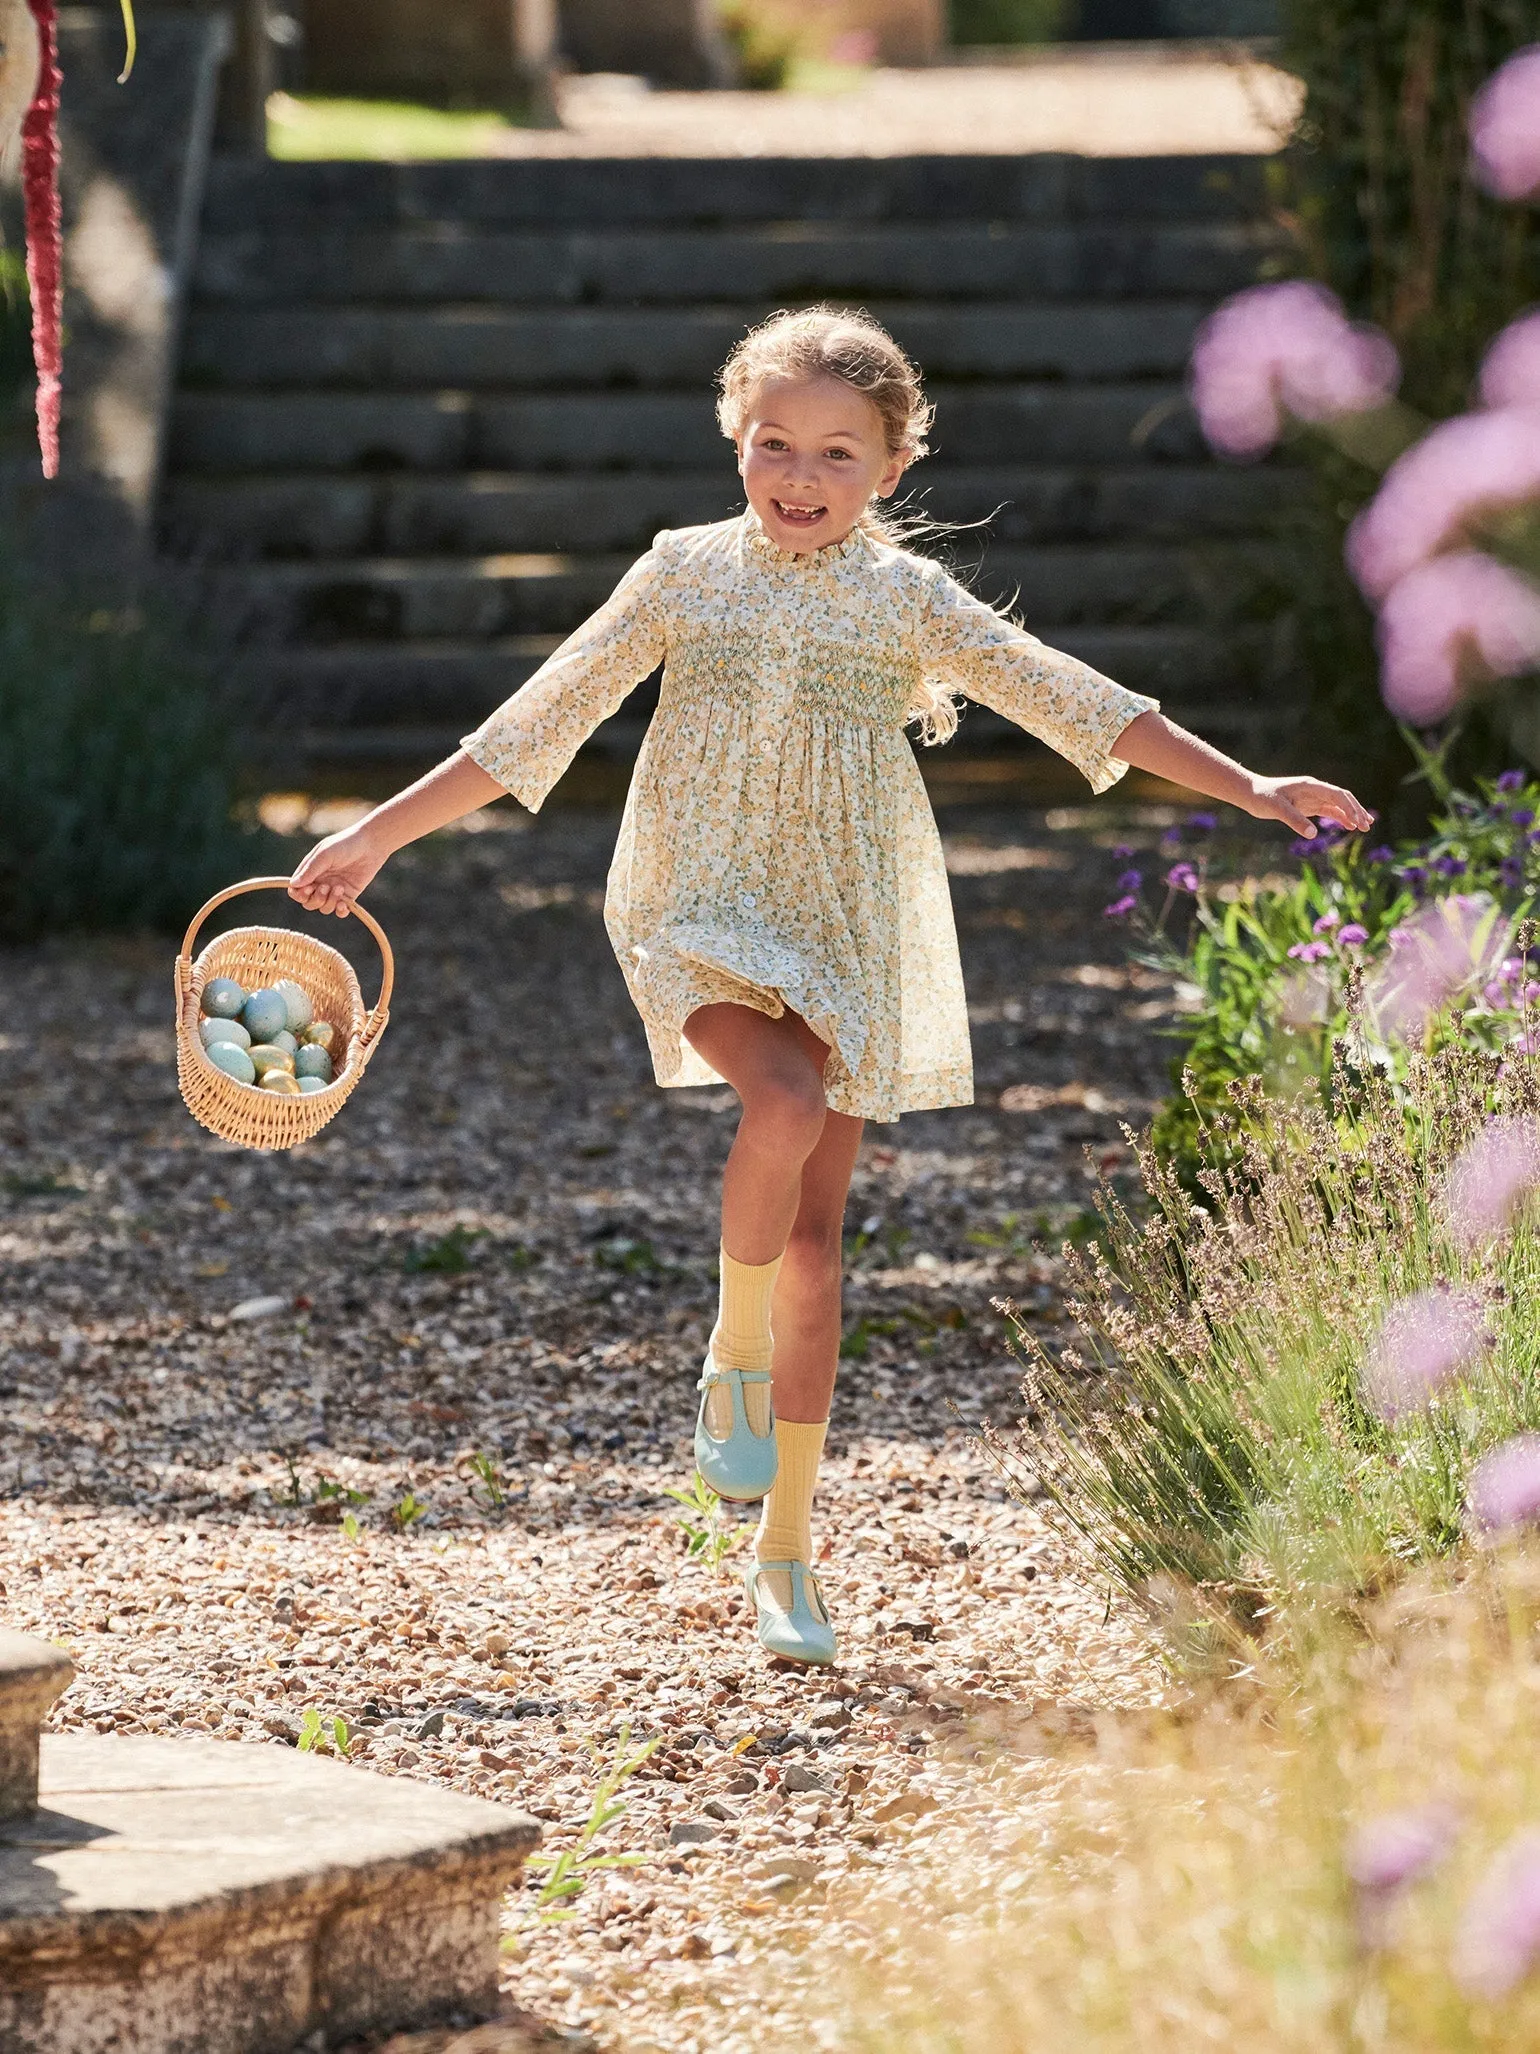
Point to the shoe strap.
(711, 1376)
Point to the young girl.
(778, 899)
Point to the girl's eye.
(843, 455)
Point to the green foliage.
(1009, 21)
(708, 1540)
(1214, 1449)
(448, 1256)
(570, 1872)
(490, 1490)
(118, 769)
(407, 1510)
(15, 325)
(321, 1735)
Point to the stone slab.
(204, 1897)
(32, 1674)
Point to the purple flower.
(1203, 823)
(1450, 866)
(1522, 816)
(1512, 781)
(1326, 923)
(1123, 850)
(1182, 877)
(1450, 623)
(1120, 908)
(1465, 468)
(1172, 838)
(1499, 1928)
(1491, 1174)
(1448, 943)
(1382, 853)
(1277, 350)
(1310, 951)
(1423, 1341)
(1353, 936)
(1505, 127)
(1504, 1487)
(1130, 880)
(1393, 1849)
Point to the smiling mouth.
(797, 516)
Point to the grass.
(1189, 1880)
(301, 127)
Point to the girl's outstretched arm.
(1153, 743)
(337, 870)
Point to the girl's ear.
(887, 484)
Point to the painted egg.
(234, 1061)
(321, 1034)
(266, 1058)
(281, 1083)
(285, 1040)
(313, 1062)
(222, 998)
(309, 1084)
(297, 999)
(266, 1014)
(210, 1031)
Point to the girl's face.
(811, 457)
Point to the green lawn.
(305, 127)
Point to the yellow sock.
(741, 1340)
(786, 1519)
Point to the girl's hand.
(1300, 801)
(337, 871)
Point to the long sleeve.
(532, 737)
(968, 647)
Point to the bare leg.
(807, 1297)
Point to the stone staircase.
(427, 413)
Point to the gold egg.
(265, 1059)
(321, 1034)
(280, 1082)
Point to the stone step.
(485, 513)
(587, 193)
(1035, 422)
(450, 347)
(381, 684)
(206, 1897)
(464, 598)
(793, 260)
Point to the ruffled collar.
(800, 559)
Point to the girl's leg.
(776, 1068)
(807, 1343)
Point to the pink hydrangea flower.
(1392, 1849)
(1474, 464)
(1504, 1486)
(1448, 624)
(1444, 946)
(1499, 1930)
(1277, 350)
(1510, 371)
(1353, 936)
(1505, 128)
(1423, 1342)
(1489, 1178)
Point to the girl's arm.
(337, 870)
(1153, 743)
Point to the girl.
(778, 899)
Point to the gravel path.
(382, 1428)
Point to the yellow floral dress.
(778, 848)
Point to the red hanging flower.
(45, 251)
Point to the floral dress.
(778, 848)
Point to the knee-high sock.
(786, 1518)
(741, 1340)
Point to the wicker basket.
(258, 956)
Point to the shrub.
(1244, 1438)
(118, 769)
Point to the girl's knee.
(786, 1111)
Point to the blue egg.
(309, 1084)
(234, 1061)
(222, 998)
(265, 1014)
(313, 1062)
(297, 999)
(285, 1040)
(223, 1030)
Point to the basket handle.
(377, 1017)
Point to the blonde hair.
(837, 342)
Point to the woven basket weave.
(259, 956)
